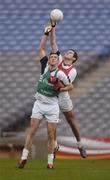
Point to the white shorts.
(50, 112)
(65, 105)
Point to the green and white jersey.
(44, 90)
(44, 87)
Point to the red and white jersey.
(70, 71)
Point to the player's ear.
(74, 59)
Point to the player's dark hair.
(53, 53)
(75, 55)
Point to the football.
(56, 15)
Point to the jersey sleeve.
(43, 62)
(72, 75)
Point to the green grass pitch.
(83, 169)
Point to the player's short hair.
(75, 55)
(54, 53)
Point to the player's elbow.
(41, 52)
(40, 49)
(68, 87)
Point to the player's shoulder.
(73, 70)
(44, 58)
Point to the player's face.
(68, 57)
(69, 54)
(53, 59)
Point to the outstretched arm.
(42, 46)
(53, 40)
(43, 42)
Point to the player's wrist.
(53, 25)
(62, 89)
(46, 33)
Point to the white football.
(56, 15)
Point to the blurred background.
(85, 28)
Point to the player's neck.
(53, 67)
(67, 62)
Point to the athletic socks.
(25, 154)
(50, 158)
(79, 144)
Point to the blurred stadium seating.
(86, 28)
(22, 22)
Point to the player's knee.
(70, 117)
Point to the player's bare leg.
(29, 140)
(70, 117)
(50, 131)
(56, 145)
